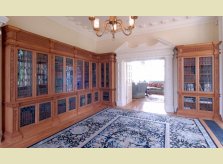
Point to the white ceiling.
(144, 24)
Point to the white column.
(118, 75)
(121, 83)
(168, 84)
(3, 20)
(175, 84)
(220, 23)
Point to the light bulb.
(96, 23)
(131, 21)
(115, 27)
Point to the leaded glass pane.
(58, 74)
(89, 98)
(105, 96)
(205, 72)
(72, 103)
(189, 103)
(42, 74)
(206, 104)
(96, 96)
(107, 75)
(86, 75)
(44, 111)
(24, 73)
(61, 106)
(82, 100)
(79, 74)
(102, 75)
(189, 74)
(94, 75)
(69, 74)
(27, 115)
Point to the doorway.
(143, 52)
(147, 85)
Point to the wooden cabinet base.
(30, 135)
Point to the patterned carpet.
(116, 128)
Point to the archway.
(160, 50)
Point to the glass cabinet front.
(42, 74)
(69, 74)
(189, 103)
(198, 72)
(94, 75)
(86, 75)
(189, 74)
(102, 75)
(107, 75)
(79, 74)
(205, 74)
(206, 104)
(58, 74)
(25, 74)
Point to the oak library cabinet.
(198, 80)
(49, 85)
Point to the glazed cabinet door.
(69, 75)
(189, 74)
(25, 73)
(41, 74)
(80, 72)
(205, 74)
(94, 75)
(59, 74)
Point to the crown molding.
(144, 51)
(3, 20)
(186, 22)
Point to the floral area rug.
(116, 128)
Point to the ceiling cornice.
(76, 27)
(3, 20)
(189, 21)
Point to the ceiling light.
(112, 25)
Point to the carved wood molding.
(12, 73)
(212, 47)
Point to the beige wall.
(187, 35)
(45, 27)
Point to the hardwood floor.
(155, 104)
(151, 104)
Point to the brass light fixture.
(113, 25)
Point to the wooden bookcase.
(198, 80)
(49, 85)
(107, 78)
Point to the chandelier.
(113, 25)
